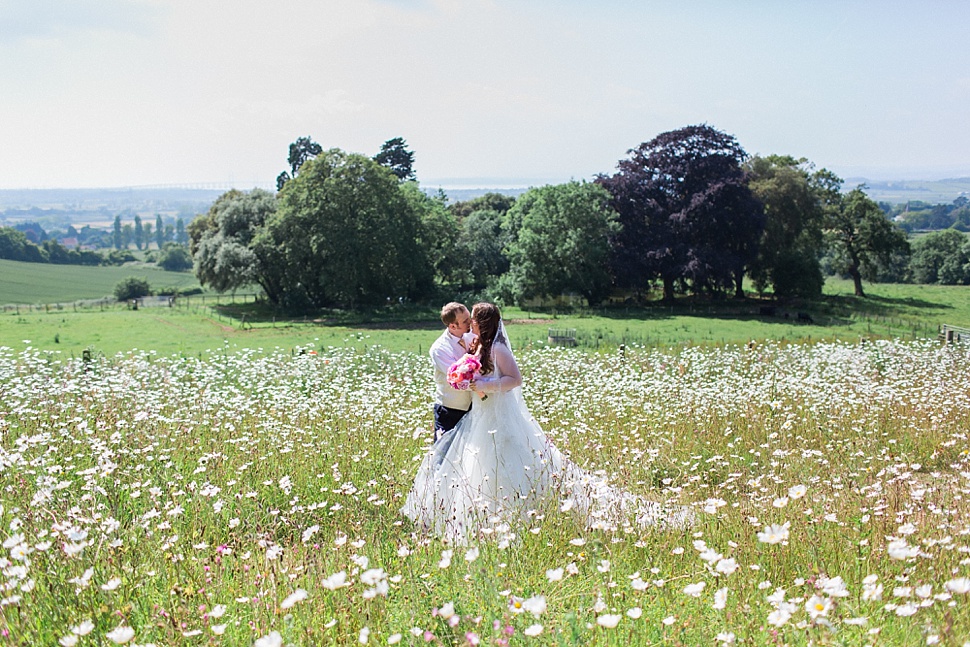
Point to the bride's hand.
(486, 384)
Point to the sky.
(487, 93)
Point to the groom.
(450, 404)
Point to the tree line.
(124, 235)
(30, 243)
(687, 212)
(915, 215)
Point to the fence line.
(954, 334)
(110, 303)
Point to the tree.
(139, 233)
(685, 211)
(58, 254)
(174, 258)
(132, 287)
(344, 234)
(861, 236)
(395, 155)
(941, 257)
(181, 237)
(496, 202)
(794, 198)
(14, 246)
(221, 241)
(302, 150)
(482, 240)
(159, 231)
(117, 232)
(127, 235)
(439, 235)
(559, 242)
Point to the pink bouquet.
(463, 371)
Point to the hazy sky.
(107, 93)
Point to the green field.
(23, 283)
(206, 324)
(256, 499)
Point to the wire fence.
(188, 302)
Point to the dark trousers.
(445, 419)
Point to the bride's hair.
(487, 316)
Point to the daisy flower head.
(774, 533)
(120, 635)
(535, 605)
(818, 606)
(555, 574)
(608, 620)
(959, 585)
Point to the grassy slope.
(45, 283)
(890, 311)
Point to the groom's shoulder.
(442, 340)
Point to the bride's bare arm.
(505, 363)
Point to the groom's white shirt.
(445, 351)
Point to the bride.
(497, 466)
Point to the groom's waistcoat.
(445, 351)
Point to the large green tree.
(345, 234)
(559, 242)
(941, 257)
(482, 240)
(221, 241)
(794, 196)
(861, 236)
(438, 235)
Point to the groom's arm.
(442, 357)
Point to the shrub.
(132, 287)
(174, 258)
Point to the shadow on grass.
(409, 317)
(880, 306)
(829, 311)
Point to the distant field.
(900, 191)
(46, 283)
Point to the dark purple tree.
(686, 212)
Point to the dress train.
(497, 467)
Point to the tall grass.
(253, 497)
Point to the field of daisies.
(254, 498)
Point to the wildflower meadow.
(253, 497)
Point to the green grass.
(890, 311)
(26, 283)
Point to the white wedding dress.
(496, 467)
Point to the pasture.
(204, 323)
(41, 283)
(253, 496)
